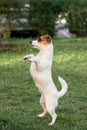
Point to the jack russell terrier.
(40, 70)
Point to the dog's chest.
(34, 72)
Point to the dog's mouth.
(34, 44)
(31, 44)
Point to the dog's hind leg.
(54, 116)
(50, 105)
(43, 104)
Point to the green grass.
(19, 98)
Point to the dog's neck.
(47, 50)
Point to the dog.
(40, 70)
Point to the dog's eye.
(39, 40)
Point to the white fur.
(40, 70)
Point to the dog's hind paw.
(42, 114)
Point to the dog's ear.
(48, 38)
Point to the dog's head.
(42, 42)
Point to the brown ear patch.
(46, 39)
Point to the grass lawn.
(19, 98)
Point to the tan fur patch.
(46, 39)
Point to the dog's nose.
(30, 42)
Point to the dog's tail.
(64, 87)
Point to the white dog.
(40, 70)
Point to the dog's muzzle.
(31, 42)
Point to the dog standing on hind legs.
(40, 70)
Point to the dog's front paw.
(27, 57)
(31, 59)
